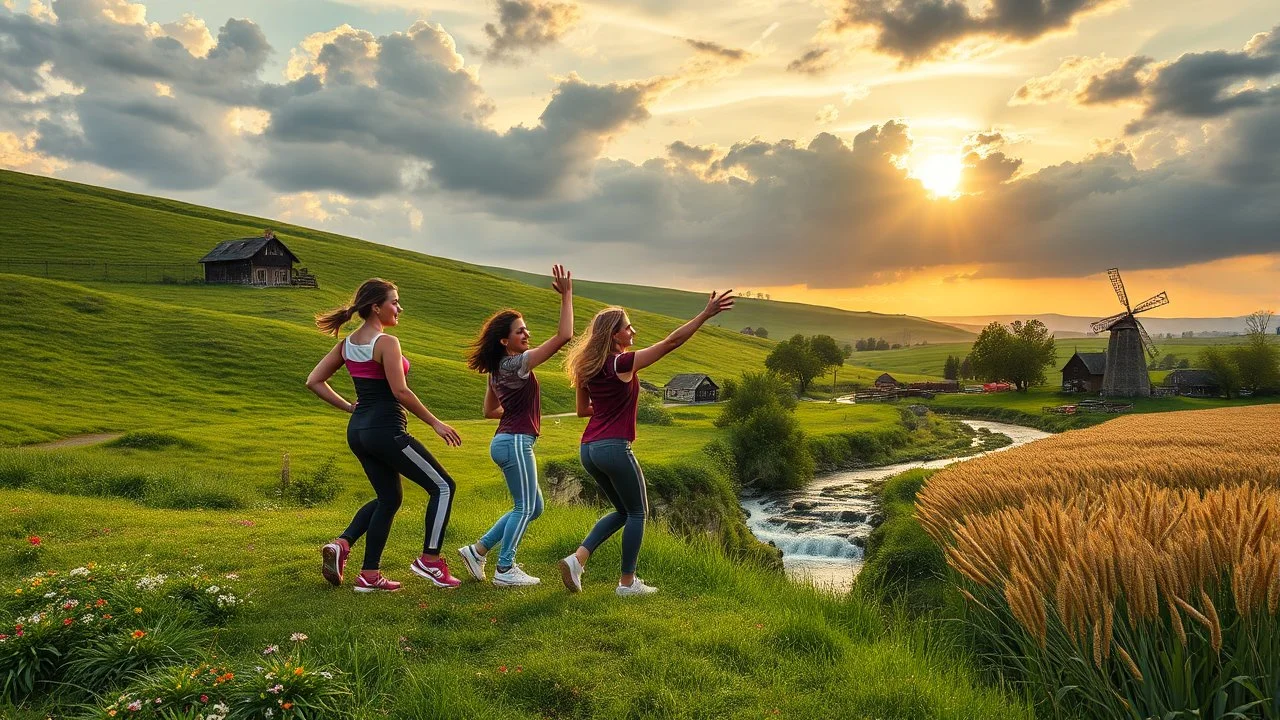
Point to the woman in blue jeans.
(502, 352)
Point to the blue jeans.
(514, 454)
(615, 469)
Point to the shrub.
(312, 489)
(147, 440)
(756, 390)
(651, 411)
(769, 450)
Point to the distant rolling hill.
(781, 319)
(1064, 326)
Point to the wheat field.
(1133, 567)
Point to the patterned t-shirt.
(517, 389)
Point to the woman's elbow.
(403, 395)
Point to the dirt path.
(76, 441)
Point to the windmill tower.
(1126, 372)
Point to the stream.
(822, 529)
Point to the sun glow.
(940, 174)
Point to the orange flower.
(106, 617)
(34, 539)
(138, 634)
(287, 705)
(297, 670)
(502, 669)
(67, 622)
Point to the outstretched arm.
(393, 366)
(563, 284)
(716, 304)
(318, 380)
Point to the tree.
(794, 359)
(860, 345)
(966, 368)
(753, 391)
(846, 350)
(1017, 354)
(762, 333)
(1258, 360)
(882, 344)
(951, 368)
(1184, 363)
(1217, 361)
(896, 346)
(828, 352)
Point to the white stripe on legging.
(522, 522)
(442, 507)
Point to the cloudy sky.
(933, 157)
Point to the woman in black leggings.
(379, 437)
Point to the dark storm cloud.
(527, 26)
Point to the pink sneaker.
(378, 584)
(334, 562)
(437, 572)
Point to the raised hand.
(718, 303)
(562, 280)
(448, 434)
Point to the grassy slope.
(222, 369)
(781, 319)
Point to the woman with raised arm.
(605, 373)
(379, 437)
(512, 396)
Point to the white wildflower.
(79, 571)
(298, 637)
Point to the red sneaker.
(378, 584)
(334, 562)
(437, 572)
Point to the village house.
(1193, 383)
(1084, 372)
(260, 260)
(692, 387)
(886, 382)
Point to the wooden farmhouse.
(253, 261)
(886, 382)
(1084, 372)
(1193, 383)
(692, 387)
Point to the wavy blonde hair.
(589, 350)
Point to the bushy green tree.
(752, 391)
(1017, 354)
(951, 368)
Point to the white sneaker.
(474, 561)
(571, 573)
(515, 577)
(637, 587)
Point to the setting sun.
(940, 174)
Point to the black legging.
(386, 454)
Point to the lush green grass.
(207, 384)
(929, 359)
(781, 319)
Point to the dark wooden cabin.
(692, 387)
(1084, 372)
(250, 261)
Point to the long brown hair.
(589, 351)
(486, 351)
(373, 291)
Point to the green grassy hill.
(781, 319)
(209, 382)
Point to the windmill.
(1126, 372)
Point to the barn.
(1084, 372)
(1193, 383)
(886, 382)
(692, 387)
(250, 261)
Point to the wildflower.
(519, 668)
(79, 571)
(111, 713)
(326, 674)
(34, 539)
(275, 689)
(138, 634)
(502, 669)
(67, 621)
(134, 706)
(213, 590)
(298, 637)
(106, 617)
(270, 649)
(287, 705)
(298, 670)
(37, 582)
(99, 602)
(18, 591)
(204, 699)
(70, 604)
(268, 713)
(159, 700)
(137, 611)
(87, 618)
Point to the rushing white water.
(822, 529)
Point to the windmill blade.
(1154, 301)
(1146, 341)
(1118, 284)
(1105, 323)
